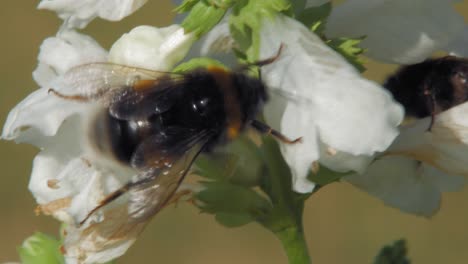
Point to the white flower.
(343, 118)
(397, 31)
(77, 14)
(142, 47)
(68, 179)
(27, 122)
(420, 164)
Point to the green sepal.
(232, 204)
(277, 184)
(186, 6)
(245, 22)
(40, 249)
(196, 63)
(285, 218)
(393, 254)
(239, 162)
(203, 16)
(297, 6)
(349, 49)
(315, 17)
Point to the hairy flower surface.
(397, 31)
(69, 179)
(421, 164)
(77, 14)
(343, 118)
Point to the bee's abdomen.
(117, 138)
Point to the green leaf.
(315, 17)
(325, 176)
(203, 16)
(227, 200)
(197, 63)
(245, 22)
(349, 49)
(393, 254)
(40, 249)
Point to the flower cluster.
(348, 124)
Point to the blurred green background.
(343, 225)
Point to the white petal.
(406, 184)
(68, 186)
(445, 147)
(331, 103)
(58, 172)
(397, 31)
(62, 171)
(152, 48)
(41, 114)
(68, 49)
(77, 14)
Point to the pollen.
(53, 183)
(315, 167)
(331, 151)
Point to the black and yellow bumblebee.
(158, 123)
(430, 87)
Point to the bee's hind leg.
(75, 97)
(265, 129)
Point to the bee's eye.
(200, 105)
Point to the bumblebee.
(158, 123)
(430, 87)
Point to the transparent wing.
(96, 79)
(148, 192)
(165, 159)
(135, 104)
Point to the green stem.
(295, 245)
(285, 218)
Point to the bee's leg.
(177, 197)
(109, 198)
(431, 104)
(114, 195)
(263, 62)
(76, 97)
(265, 129)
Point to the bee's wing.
(164, 159)
(136, 104)
(148, 193)
(97, 79)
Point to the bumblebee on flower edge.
(158, 123)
